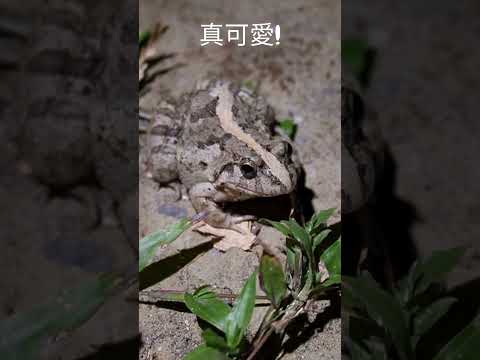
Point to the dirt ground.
(300, 78)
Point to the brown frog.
(219, 142)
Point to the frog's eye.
(248, 171)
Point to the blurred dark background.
(69, 160)
(423, 83)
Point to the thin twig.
(168, 295)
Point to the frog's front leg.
(202, 196)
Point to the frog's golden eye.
(248, 171)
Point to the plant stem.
(260, 343)
(177, 295)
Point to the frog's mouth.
(243, 193)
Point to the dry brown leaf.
(229, 238)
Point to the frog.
(362, 147)
(219, 141)
(366, 162)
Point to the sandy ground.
(300, 77)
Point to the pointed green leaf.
(436, 268)
(384, 309)
(294, 261)
(332, 258)
(272, 279)
(214, 340)
(149, 244)
(425, 320)
(406, 286)
(207, 306)
(464, 345)
(321, 218)
(204, 352)
(317, 240)
(292, 257)
(300, 234)
(279, 226)
(241, 314)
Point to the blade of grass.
(272, 279)
(149, 244)
(464, 345)
(241, 314)
(207, 306)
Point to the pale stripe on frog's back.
(225, 116)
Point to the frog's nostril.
(248, 171)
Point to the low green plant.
(150, 243)
(393, 323)
(312, 269)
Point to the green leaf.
(214, 340)
(272, 279)
(464, 345)
(289, 127)
(241, 314)
(425, 320)
(348, 299)
(358, 352)
(280, 227)
(143, 38)
(332, 258)
(300, 234)
(436, 268)
(149, 244)
(384, 309)
(204, 352)
(406, 286)
(294, 261)
(317, 240)
(23, 333)
(320, 218)
(207, 306)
